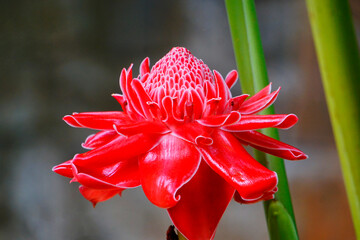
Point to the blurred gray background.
(57, 57)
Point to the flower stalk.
(339, 61)
(253, 76)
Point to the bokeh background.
(57, 57)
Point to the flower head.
(180, 136)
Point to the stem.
(253, 77)
(339, 60)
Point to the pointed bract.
(166, 168)
(229, 159)
(202, 204)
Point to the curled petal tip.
(270, 145)
(54, 168)
(266, 196)
(201, 140)
(289, 121)
(296, 154)
(70, 120)
(302, 156)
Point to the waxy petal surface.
(120, 149)
(145, 67)
(97, 120)
(261, 94)
(96, 195)
(235, 102)
(64, 169)
(269, 145)
(231, 78)
(222, 91)
(229, 159)
(166, 168)
(203, 202)
(220, 120)
(99, 139)
(123, 174)
(251, 107)
(191, 132)
(143, 98)
(145, 127)
(253, 122)
(267, 196)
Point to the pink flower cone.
(180, 136)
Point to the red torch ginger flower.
(180, 136)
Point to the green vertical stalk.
(253, 77)
(339, 61)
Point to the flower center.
(178, 74)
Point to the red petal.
(166, 168)
(120, 149)
(121, 100)
(95, 195)
(269, 145)
(231, 78)
(222, 91)
(210, 91)
(202, 204)
(220, 120)
(197, 102)
(144, 67)
(99, 139)
(168, 108)
(142, 127)
(251, 106)
(122, 81)
(143, 98)
(235, 103)
(155, 109)
(229, 159)
(190, 132)
(182, 103)
(252, 122)
(132, 99)
(267, 196)
(64, 169)
(97, 120)
(124, 174)
(261, 94)
(211, 106)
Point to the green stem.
(253, 77)
(339, 60)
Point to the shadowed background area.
(58, 57)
